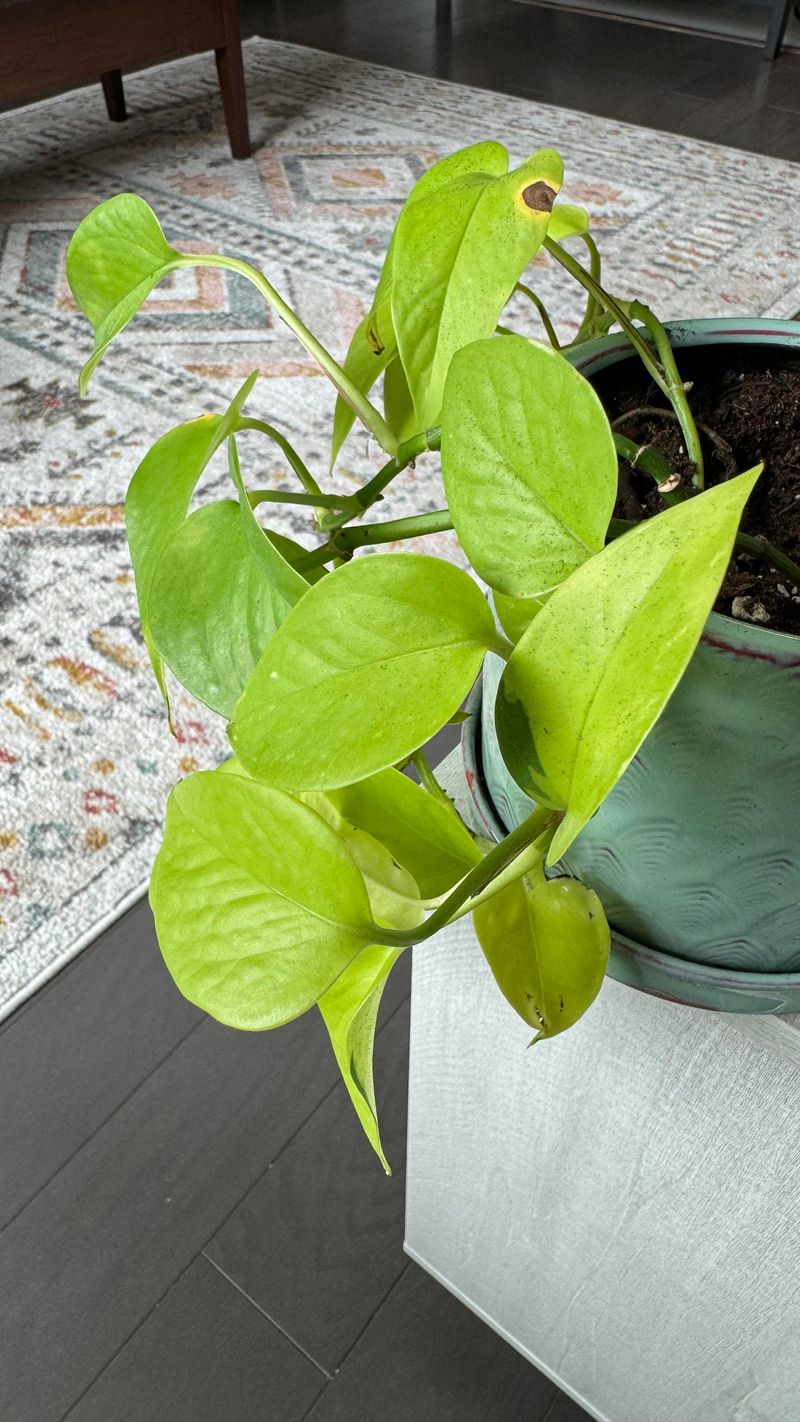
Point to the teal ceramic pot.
(696, 852)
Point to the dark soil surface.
(747, 407)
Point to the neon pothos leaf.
(529, 465)
(374, 344)
(350, 1011)
(419, 832)
(398, 406)
(389, 826)
(116, 256)
(258, 906)
(450, 291)
(119, 253)
(597, 665)
(215, 604)
(428, 848)
(393, 894)
(515, 614)
(286, 584)
(159, 496)
(547, 943)
(477, 158)
(566, 220)
(366, 667)
(364, 365)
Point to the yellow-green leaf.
(547, 943)
(599, 662)
(367, 667)
(116, 256)
(529, 465)
(375, 336)
(159, 496)
(258, 905)
(421, 834)
(458, 254)
(350, 1010)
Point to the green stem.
(369, 494)
(676, 391)
(609, 303)
(543, 312)
(428, 780)
(302, 471)
(758, 547)
(586, 330)
(314, 501)
(473, 884)
(346, 540)
(666, 376)
(439, 521)
(652, 462)
(365, 410)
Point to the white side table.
(621, 1203)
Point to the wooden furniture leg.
(231, 82)
(114, 95)
(778, 20)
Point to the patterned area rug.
(85, 757)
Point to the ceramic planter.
(696, 852)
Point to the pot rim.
(700, 331)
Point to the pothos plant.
(297, 873)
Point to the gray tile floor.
(191, 1227)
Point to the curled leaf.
(547, 943)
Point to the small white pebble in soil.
(749, 610)
(784, 592)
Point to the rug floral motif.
(86, 760)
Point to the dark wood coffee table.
(50, 45)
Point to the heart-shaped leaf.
(119, 253)
(477, 158)
(159, 496)
(258, 906)
(116, 256)
(547, 943)
(458, 254)
(366, 667)
(214, 605)
(529, 465)
(599, 662)
(426, 842)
